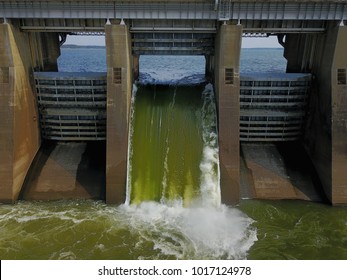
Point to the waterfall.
(173, 196)
(173, 146)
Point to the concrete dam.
(280, 136)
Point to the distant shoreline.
(71, 46)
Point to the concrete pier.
(19, 130)
(45, 50)
(339, 119)
(20, 53)
(119, 89)
(227, 85)
(324, 55)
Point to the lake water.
(173, 209)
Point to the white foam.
(172, 70)
(206, 230)
(130, 150)
(209, 165)
(192, 233)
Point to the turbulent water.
(92, 230)
(173, 208)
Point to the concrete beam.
(119, 88)
(19, 129)
(227, 86)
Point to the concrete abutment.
(324, 55)
(227, 88)
(119, 90)
(20, 139)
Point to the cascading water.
(173, 193)
(171, 146)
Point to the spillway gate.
(72, 106)
(273, 106)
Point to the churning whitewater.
(173, 193)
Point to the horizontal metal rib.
(72, 106)
(238, 10)
(272, 107)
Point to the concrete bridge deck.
(176, 9)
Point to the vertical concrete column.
(299, 52)
(324, 55)
(44, 50)
(51, 51)
(227, 85)
(339, 119)
(19, 131)
(209, 63)
(119, 87)
(136, 67)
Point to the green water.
(167, 143)
(93, 230)
(297, 230)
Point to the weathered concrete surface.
(339, 120)
(326, 129)
(227, 58)
(136, 67)
(119, 88)
(278, 171)
(44, 50)
(67, 171)
(19, 132)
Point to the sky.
(247, 42)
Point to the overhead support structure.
(119, 89)
(227, 86)
(180, 9)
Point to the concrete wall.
(20, 54)
(119, 87)
(67, 170)
(227, 87)
(326, 132)
(44, 50)
(19, 131)
(339, 120)
(318, 125)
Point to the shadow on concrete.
(300, 168)
(67, 171)
(279, 171)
